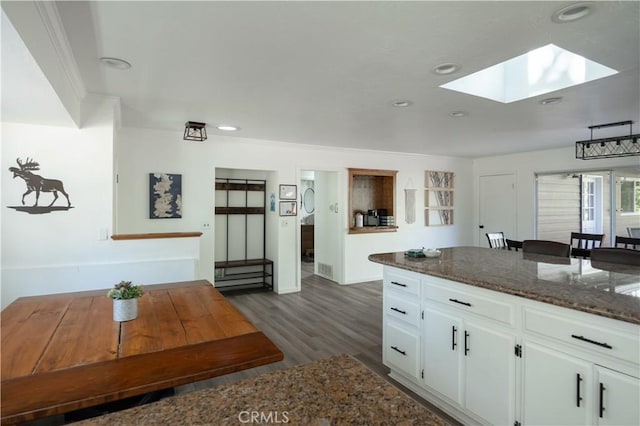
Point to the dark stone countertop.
(603, 289)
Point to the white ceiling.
(325, 73)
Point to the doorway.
(320, 248)
(592, 204)
(497, 203)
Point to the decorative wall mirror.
(308, 200)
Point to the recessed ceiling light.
(459, 114)
(445, 69)
(116, 63)
(227, 128)
(571, 13)
(551, 101)
(401, 103)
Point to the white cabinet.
(574, 391)
(469, 363)
(617, 399)
(401, 323)
(487, 357)
(442, 353)
(556, 388)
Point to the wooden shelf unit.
(371, 189)
(438, 198)
(245, 272)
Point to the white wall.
(524, 166)
(65, 251)
(142, 151)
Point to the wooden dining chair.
(496, 240)
(513, 244)
(582, 243)
(622, 256)
(549, 248)
(627, 242)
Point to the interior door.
(497, 206)
(592, 204)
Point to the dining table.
(64, 352)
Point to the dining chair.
(622, 256)
(633, 232)
(513, 244)
(496, 240)
(550, 248)
(627, 242)
(582, 243)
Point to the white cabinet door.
(401, 349)
(557, 388)
(441, 353)
(489, 378)
(618, 397)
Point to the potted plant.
(125, 300)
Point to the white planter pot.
(125, 309)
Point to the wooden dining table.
(64, 352)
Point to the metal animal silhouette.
(37, 183)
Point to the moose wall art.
(36, 183)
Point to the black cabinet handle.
(462, 303)
(398, 350)
(397, 283)
(398, 310)
(578, 397)
(584, 339)
(466, 343)
(602, 389)
(453, 337)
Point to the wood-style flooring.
(322, 320)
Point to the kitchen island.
(502, 337)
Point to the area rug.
(333, 391)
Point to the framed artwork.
(288, 192)
(288, 208)
(165, 196)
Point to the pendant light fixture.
(620, 146)
(194, 131)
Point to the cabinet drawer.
(398, 281)
(401, 349)
(402, 309)
(470, 302)
(585, 334)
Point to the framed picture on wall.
(288, 192)
(288, 208)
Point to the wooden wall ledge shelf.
(156, 235)
(372, 229)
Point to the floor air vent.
(325, 270)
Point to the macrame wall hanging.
(410, 203)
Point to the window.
(630, 195)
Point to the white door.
(490, 373)
(591, 204)
(617, 397)
(441, 353)
(557, 388)
(497, 207)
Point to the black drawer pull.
(601, 410)
(584, 339)
(398, 350)
(397, 283)
(462, 303)
(398, 310)
(466, 343)
(453, 337)
(578, 397)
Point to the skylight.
(539, 71)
